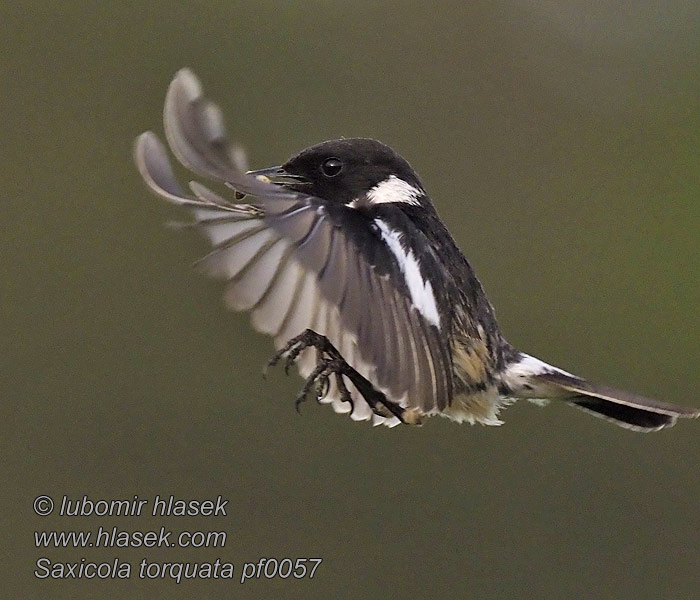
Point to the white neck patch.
(421, 291)
(394, 189)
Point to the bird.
(340, 255)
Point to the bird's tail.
(622, 408)
(533, 379)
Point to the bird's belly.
(477, 407)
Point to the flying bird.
(341, 257)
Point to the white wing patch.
(259, 249)
(421, 291)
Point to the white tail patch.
(421, 291)
(519, 378)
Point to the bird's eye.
(331, 167)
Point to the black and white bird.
(342, 258)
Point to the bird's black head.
(353, 171)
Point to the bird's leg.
(331, 362)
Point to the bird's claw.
(331, 362)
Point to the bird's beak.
(278, 175)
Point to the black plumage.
(342, 241)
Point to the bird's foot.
(332, 364)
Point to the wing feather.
(248, 288)
(232, 257)
(268, 316)
(287, 258)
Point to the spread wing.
(298, 262)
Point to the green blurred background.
(560, 143)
